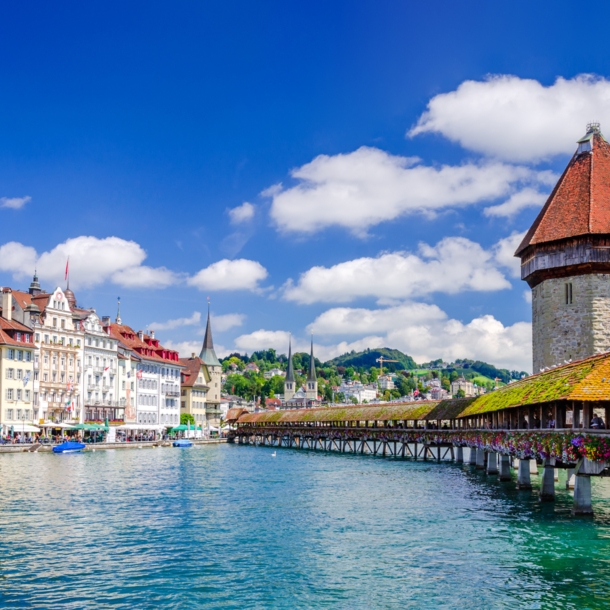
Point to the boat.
(69, 447)
(183, 442)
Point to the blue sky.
(326, 167)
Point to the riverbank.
(25, 448)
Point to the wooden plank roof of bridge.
(584, 380)
(397, 412)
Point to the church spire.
(312, 365)
(290, 369)
(208, 355)
(35, 285)
(118, 312)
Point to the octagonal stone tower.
(565, 259)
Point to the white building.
(359, 391)
(274, 373)
(386, 382)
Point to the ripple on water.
(231, 527)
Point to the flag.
(67, 268)
(69, 385)
(106, 369)
(416, 393)
(139, 374)
(129, 375)
(26, 379)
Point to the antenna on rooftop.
(593, 127)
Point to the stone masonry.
(570, 331)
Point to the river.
(234, 527)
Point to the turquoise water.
(233, 527)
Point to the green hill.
(368, 358)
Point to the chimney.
(152, 334)
(193, 355)
(141, 335)
(7, 304)
(106, 321)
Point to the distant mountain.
(368, 358)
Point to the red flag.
(67, 266)
(139, 374)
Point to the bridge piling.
(459, 454)
(492, 463)
(472, 456)
(547, 489)
(582, 495)
(505, 468)
(533, 467)
(571, 478)
(523, 478)
(480, 457)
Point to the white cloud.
(93, 261)
(423, 331)
(14, 203)
(242, 213)
(504, 253)
(194, 320)
(368, 186)
(227, 321)
(453, 265)
(527, 296)
(518, 119)
(239, 274)
(186, 348)
(527, 198)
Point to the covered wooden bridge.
(544, 419)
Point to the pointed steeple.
(312, 365)
(290, 369)
(208, 355)
(118, 312)
(35, 285)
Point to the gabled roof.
(580, 202)
(148, 348)
(8, 328)
(192, 368)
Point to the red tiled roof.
(12, 326)
(147, 347)
(580, 201)
(193, 368)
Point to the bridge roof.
(390, 411)
(584, 380)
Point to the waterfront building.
(58, 337)
(16, 371)
(100, 370)
(214, 373)
(565, 259)
(386, 382)
(194, 387)
(157, 374)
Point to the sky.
(359, 171)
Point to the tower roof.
(580, 202)
(290, 369)
(312, 366)
(208, 355)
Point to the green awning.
(90, 427)
(180, 428)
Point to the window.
(10, 354)
(18, 336)
(27, 413)
(18, 413)
(19, 373)
(63, 324)
(9, 413)
(28, 356)
(35, 375)
(55, 322)
(568, 291)
(54, 376)
(9, 396)
(19, 354)
(27, 396)
(10, 373)
(37, 337)
(19, 394)
(45, 377)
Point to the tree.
(186, 419)
(355, 400)
(461, 393)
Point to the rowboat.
(183, 442)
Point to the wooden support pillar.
(523, 477)
(575, 415)
(480, 459)
(547, 487)
(571, 478)
(492, 463)
(587, 415)
(472, 456)
(459, 457)
(505, 468)
(582, 496)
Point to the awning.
(91, 427)
(24, 428)
(56, 425)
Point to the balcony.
(102, 403)
(172, 392)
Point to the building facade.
(16, 371)
(565, 259)
(289, 382)
(194, 387)
(311, 385)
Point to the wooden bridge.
(541, 420)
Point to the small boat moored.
(69, 447)
(183, 442)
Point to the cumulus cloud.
(363, 188)
(14, 203)
(242, 213)
(527, 198)
(423, 331)
(453, 265)
(93, 261)
(518, 119)
(239, 274)
(186, 348)
(227, 321)
(504, 253)
(193, 320)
